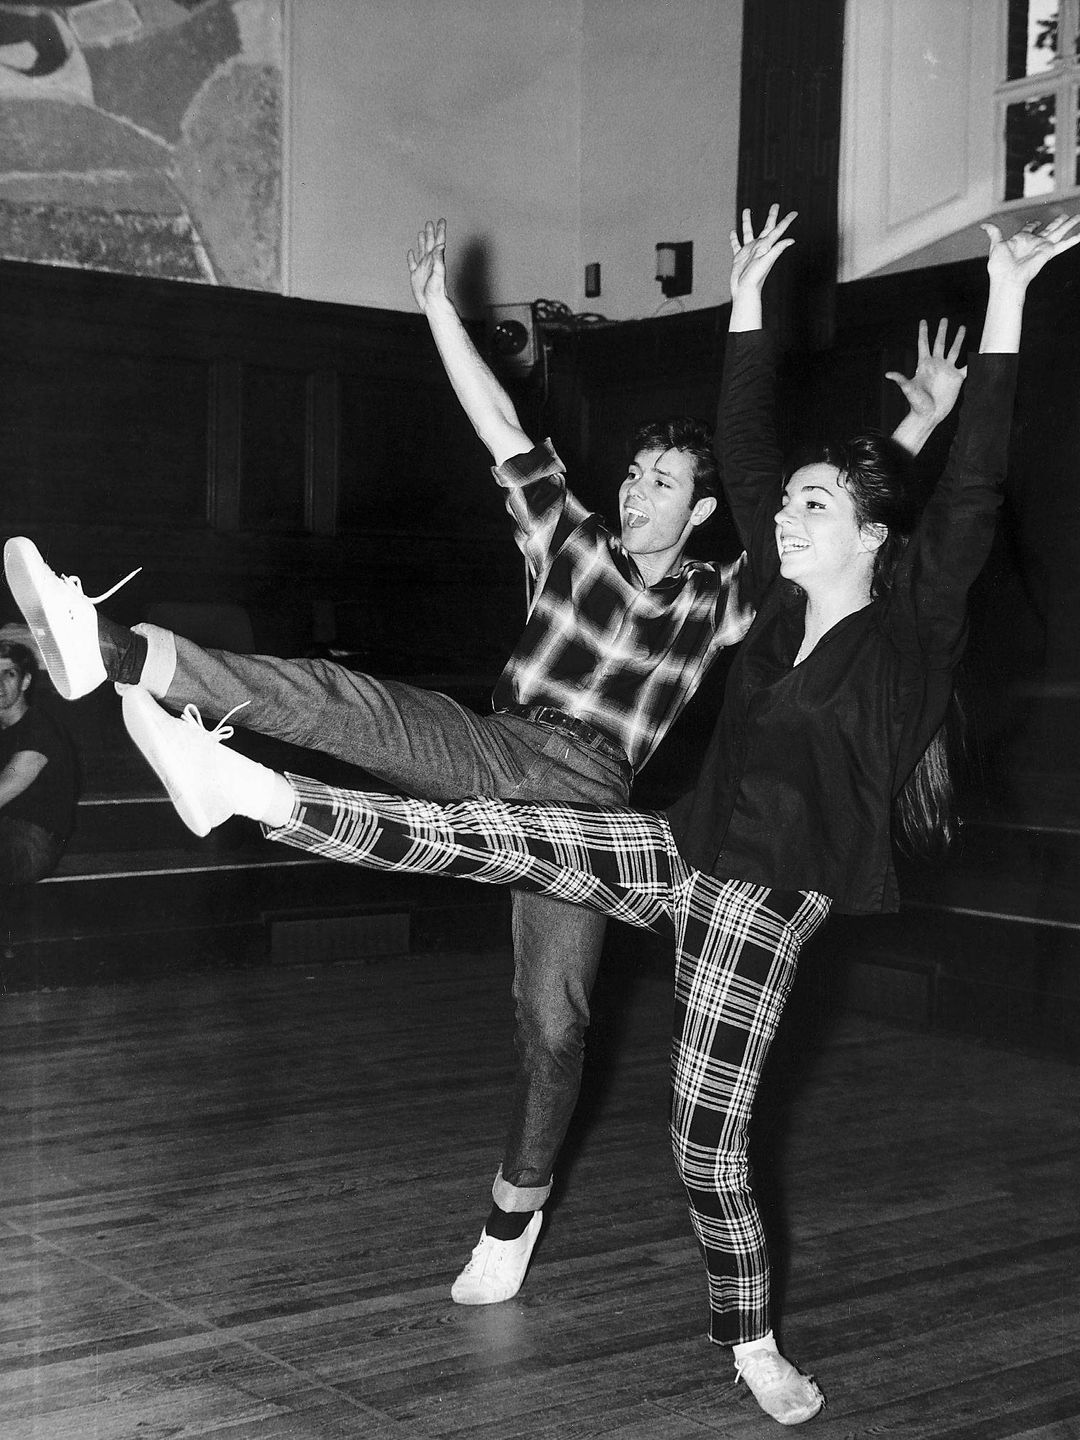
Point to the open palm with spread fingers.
(754, 256)
(931, 392)
(427, 264)
(1020, 257)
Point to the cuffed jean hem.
(160, 664)
(515, 1199)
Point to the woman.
(838, 689)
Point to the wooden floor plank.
(231, 1204)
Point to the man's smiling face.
(656, 502)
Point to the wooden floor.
(232, 1205)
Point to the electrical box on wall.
(511, 337)
(675, 267)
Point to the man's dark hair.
(693, 438)
(23, 660)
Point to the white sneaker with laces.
(206, 782)
(783, 1392)
(496, 1268)
(61, 618)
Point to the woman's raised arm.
(953, 538)
(1012, 265)
(745, 442)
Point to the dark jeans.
(430, 747)
(27, 852)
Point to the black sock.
(122, 651)
(507, 1224)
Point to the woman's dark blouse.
(797, 785)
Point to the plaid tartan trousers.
(737, 947)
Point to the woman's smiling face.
(818, 533)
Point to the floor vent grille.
(323, 939)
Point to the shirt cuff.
(539, 463)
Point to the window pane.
(1033, 37)
(1029, 147)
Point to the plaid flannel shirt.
(600, 645)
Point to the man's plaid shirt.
(598, 644)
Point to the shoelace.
(222, 730)
(769, 1365)
(76, 584)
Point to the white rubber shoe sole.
(61, 618)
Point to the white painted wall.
(548, 133)
(659, 146)
(403, 109)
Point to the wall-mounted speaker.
(512, 340)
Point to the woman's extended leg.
(618, 862)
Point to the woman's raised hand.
(1012, 265)
(754, 256)
(931, 392)
(1019, 259)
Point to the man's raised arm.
(483, 399)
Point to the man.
(619, 635)
(38, 784)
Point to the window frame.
(1062, 81)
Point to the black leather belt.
(584, 733)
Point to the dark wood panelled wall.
(310, 462)
(789, 148)
(306, 461)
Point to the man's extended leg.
(417, 740)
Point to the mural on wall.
(143, 136)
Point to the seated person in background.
(38, 784)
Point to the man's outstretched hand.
(427, 264)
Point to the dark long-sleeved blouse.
(797, 785)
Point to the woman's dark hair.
(925, 821)
(879, 476)
(693, 438)
(22, 658)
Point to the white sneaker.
(202, 777)
(496, 1268)
(61, 618)
(783, 1392)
